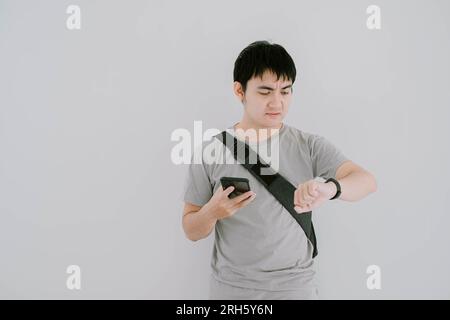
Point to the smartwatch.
(338, 187)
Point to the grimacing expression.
(267, 99)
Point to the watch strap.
(338, 187)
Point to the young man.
(260, 251)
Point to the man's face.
(267, 100)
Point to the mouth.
(273, 114)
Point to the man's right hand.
(223, 207)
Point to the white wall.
(86, 117)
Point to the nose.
(277, 101)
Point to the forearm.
(198, 225)
(356, 185)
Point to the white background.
(86, 117)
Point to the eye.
(285, 92)
(265, 93)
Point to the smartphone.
(241, 185)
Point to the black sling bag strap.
(276, 184)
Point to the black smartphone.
(241, 185)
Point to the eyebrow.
(270, 88)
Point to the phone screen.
(241, 185)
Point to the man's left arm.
(355, 182)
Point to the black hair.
(260, 56)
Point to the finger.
(297, 192)
(302, 209)
(312, 190)
(296, 197)
(247, 201)
(299, 209)
(242, 197)
(228, 190)
(305, 192)
(306, 198)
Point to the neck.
(262, 132)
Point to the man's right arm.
(198, 222)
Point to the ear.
(238, 91)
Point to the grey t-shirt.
(262, 246)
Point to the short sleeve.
(326, 158)
(198, 189)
